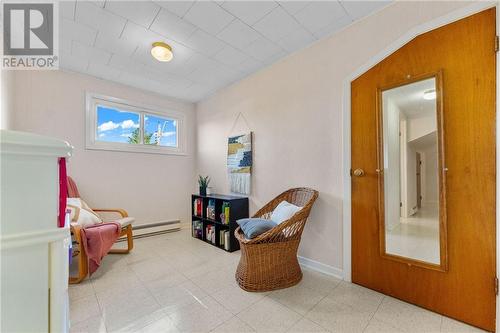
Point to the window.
(115, 124)
(160, 131)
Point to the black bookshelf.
(238, 209)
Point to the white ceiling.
(215, 43)
(410, 101)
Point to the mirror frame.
(443, 230)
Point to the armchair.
(105, 213)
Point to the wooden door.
(419, 179)
(463, 53)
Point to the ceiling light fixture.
(162, 51)
(430, 94)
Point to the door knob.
(358, 172)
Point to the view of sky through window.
(160, 131)
(117, 126)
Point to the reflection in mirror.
(411, 177)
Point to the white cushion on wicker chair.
(125, 221)
(284, 211)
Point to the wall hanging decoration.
(239, 162)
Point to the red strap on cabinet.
(63, 191)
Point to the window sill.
(136, 149)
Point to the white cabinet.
(34, 250)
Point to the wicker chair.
(269, 261)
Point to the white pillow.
(81, 213)
(284, 211)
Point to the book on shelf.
(224, 216)
(222, 237)
(198, 207)
(226, 240)
(210, 234)
(211, 209)
(197, 229)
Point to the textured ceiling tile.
(119, 46)
(172, 27)
(104, 71)
(73, 63)
(179, 8)
(276, 24)
(140, 12)
(263, 49)
(359, 9)
(296, 40)
(319, 14)
(99, 19)
(249, 65)
(91, 53)
(249, 11)
(230, 56)
(72, 30)
(67, 9)
(208, 16)
(205, 43)
(293, 7)
(65, 45)
(139, 35)
(333, 27)
(238, 34)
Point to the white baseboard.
(185, 225)
(322, 268)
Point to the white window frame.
(92, 100)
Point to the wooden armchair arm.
(79, 252)
(76, 232)
(120, 211)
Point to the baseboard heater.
(154, 228)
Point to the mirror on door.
(413, 217)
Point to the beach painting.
(239, 162)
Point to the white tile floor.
(417, 236)
(173, 283)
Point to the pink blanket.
(97, 241)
